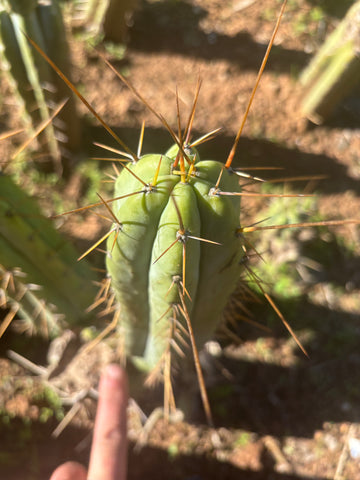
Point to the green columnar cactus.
(174, 249)
(25, 301)
(108, 18)
(40, 89)
(335, 71)
(29, 242)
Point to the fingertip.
(114, 371)
(115, 374)
(69, 471)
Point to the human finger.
(109, 448)
(69, 471)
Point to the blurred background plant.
(38, 86)
(106, 20)
(40, 279)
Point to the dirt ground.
(278, 415)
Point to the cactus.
(45, 276)
(335, 71)
(35, 81)
(175, 244)
(107, 18)
(23, 301)
(176, 248)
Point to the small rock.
(331, 442)
(354, 447)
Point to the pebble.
(354, 447)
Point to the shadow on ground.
(296, 400)
(333, 7)
(40, 455)
(254, 153)
(174, 27)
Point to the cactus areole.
(174, 251)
